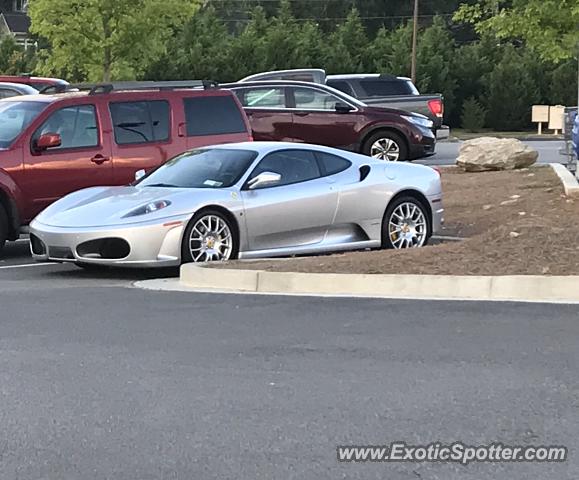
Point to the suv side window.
(140, 122)
(77, 127)
(332, 164)
(294, 166)
(263, 97)
(312, 99)
(217, 115)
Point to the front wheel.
(209, 237)
(405, 224)
(388, 146)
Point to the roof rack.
(101, 88)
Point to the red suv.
(53, 144)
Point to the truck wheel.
(4, 227)
(385, 145)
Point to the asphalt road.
(100, 380)
(448, 151)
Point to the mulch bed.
(515, 223)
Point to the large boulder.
(489, 153)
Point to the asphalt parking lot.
(101, 380)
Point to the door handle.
(99, 159)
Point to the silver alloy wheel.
(407, 226)
(210, 240)
(385, 149)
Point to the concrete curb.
(427, 287)
(570, 184)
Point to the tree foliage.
(105, 39)
(547, 26)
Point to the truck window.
(218, 115)
(140, 122)
(77, 127)
(385, 88)
(341, 85)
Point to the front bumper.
(150, 244)
(422, 143)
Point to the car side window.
(264, 97)
(77, 127)
(332, 164)
(7, 93)
(294, 166)
(312, 99)
(140, 122)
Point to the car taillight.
(436, 107)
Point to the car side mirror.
(264, 179)
(343, 107)
(48, 140)
(139, 174)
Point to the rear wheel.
(209, 237)
(385, 145)
(405, 224)
(4, 227)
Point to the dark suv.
(54, 144)
(307, 112)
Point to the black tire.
(186, 255)
(4, 227)
(387, 136)
(387, 237)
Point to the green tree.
(14, 60)
(106, 39)
(434, 63)
(473, 115)
(547, 26)
(511, 89)
(345, 50)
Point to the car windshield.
(15, 116)
(207, 168)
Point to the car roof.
(267, 147)
(295, 83)
(121, 94)
(21, 87)
(346, 76)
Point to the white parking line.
(28, 265)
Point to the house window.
(19, 5)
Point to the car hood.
(108, 206)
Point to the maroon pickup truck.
(312, 113)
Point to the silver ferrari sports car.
(246, 200)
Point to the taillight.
(436, 107)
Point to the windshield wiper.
(168, 185)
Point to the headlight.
(149, 208)
(416, 120)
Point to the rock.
(514, 197)
(489, 153)
(514, 234)
(509, 202)
(522, 214)
(487, 207)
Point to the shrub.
(473, 115)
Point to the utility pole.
(414, 39)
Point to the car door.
(266, 108)
(142, 136)
(82, 160)
(297, 211)
(316, 119)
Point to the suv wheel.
(388, 146)
(4, 227)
